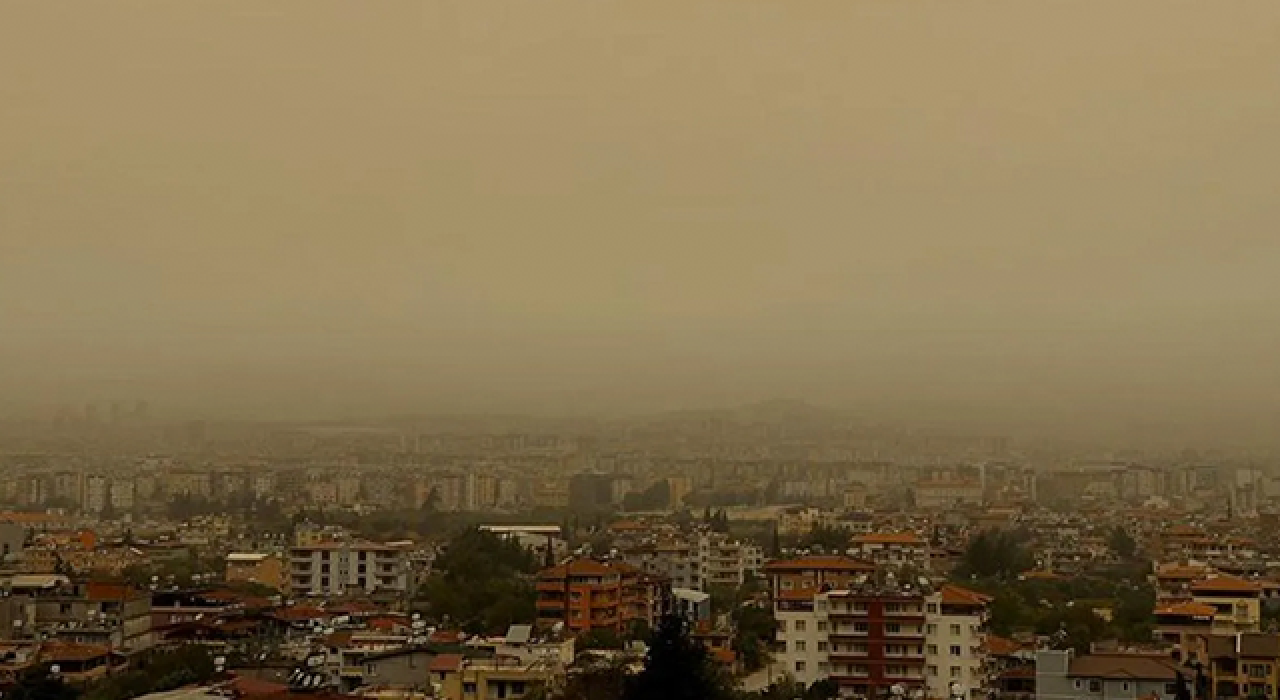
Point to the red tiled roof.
(577, 567)
(62, 651)
(99, 592)
(301, 612)
(955, 595)
(445, 663)
(1225, 584)
(819, 563)
(1001, 646)
(889, 538)
(1187, 609)
(257, 687)
(447, 637)
(797, 594)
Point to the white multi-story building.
(726, 562)
(710, 559)
(955, 641)
(331, 568)
(96, 492)
(264, 485)
(869, 638)
(123, 492)
(893, 550)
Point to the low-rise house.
(1060, 675)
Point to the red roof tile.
(445, 663)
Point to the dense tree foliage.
(481, 583)
(755, 630)
(656, 497)
(995, 554)
(1122, 544)
(155, 672)
(600, 638)
(1065, 609)
(677, 668)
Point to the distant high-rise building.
(590, 491)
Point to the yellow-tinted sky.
(1014, 213)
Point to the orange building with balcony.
(586, 594)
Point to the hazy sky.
(1009, 213)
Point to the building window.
(932, 650)
(955, 630)
(955, 671)
(799, 667)
(822, 646)
(955, 649)
(1095, 686)
(931, 628)
(822, 625)
(800, 625)
(892, 628)
(933, 608)
(933, 671)
(1124, 686)
(1079, 685)
(800, 645)
(469, 688)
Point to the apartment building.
(814, 572)
(955, 641)
(1245, 665)
(706, 560)
(727, 562)
(894, 550)
(1178, 624)
(867, 639)
(332, 568)
(112, 616)
(1060, 675)
(585, 594)
(1237, 603)
(454, 677)
(256, 567)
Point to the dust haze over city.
(1009, 218)
(662, 350)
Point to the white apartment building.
(867, 640)
(894, 550)
(708, 559)
(331, 568)
(726, 562)
(96, 492)
(123, 493)
(955, 641)
(871, 639)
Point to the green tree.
(754, 631)
(481, 583)
(830, 539)
(1122, 543)
(601, 681)
(600, 638)
(994, 554)
(39, 685)
(678, 668)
